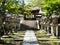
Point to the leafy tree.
(50, 6)
(13, 7)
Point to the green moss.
(43, 38)
(15, 35)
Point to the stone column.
(37, 24)
(48, 29)
(52, 31)
(57, 31)
(45, 28)
(41, 27)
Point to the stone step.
(18, 39)
(43, 39)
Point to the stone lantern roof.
(54, 15)
(8, 15)
(41, 12)
(44, 17)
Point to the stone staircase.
(29, 25)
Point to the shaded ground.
(17, 39)
(45, 39)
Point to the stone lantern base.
(53, 37)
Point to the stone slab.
(30, 38)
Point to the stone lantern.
(54, 25)
(42, 20)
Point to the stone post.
(37, 24)
(57, 31)
(52, 31)
(45, 28)
(41, 27)
(48, 29)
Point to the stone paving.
(30, 38)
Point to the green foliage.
(12, 6)
(15, 7)
(0, 2)
(37, 3)
(50, 6)
(25, 10)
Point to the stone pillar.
(41, 27)
(48, 29)
(37, 24)
(57, 31)
(45, 28)
(52, 31)
(19, 26)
